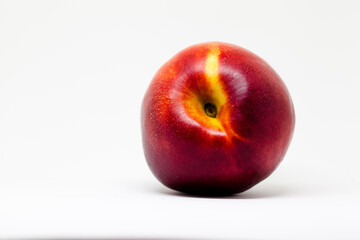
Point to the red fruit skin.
(188, 154)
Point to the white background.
(72, 78)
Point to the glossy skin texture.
(191, 152)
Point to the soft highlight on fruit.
(216, 119)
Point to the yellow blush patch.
(194, 101)
(212, 77)
(212, 91)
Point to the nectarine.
(216, 119)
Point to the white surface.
(72, 77)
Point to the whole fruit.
(216, 119)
